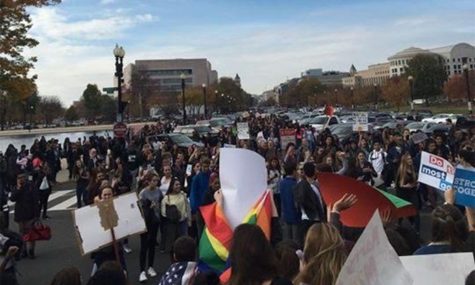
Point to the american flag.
(180, 273)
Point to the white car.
(318, 123)
(441, 118)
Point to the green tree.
(142, 89)
(71, 114)
(92, 101)
(108, 108)
(429, 75)
(15, 22)
(50, 108)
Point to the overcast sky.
(266, 42)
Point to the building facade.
(166, 73)
(375, 74)
(454, 57)
(327, 78)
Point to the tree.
(92, 101)
(142, 88)
(15, 23)
(396, 91)
(71, 114)
(429, 75)
(456, 87)
(50, 108)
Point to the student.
(252, 258)
(323, 256)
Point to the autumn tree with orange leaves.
(396, 92)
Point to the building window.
(470, 59)
(448, 60)
(471, 66)
(460, 67)
(453, 59)
(455, 67)
(401, 69)
(458, 59)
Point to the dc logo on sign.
(444, 185)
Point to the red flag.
(334, 186)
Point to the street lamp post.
(411, 90)
(119, 54)
(204, 99)
(182, 76)
(336, 97)
(469, 100)
(4, 108)
(352, 98)
(375, 96)
(216, 101)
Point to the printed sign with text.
(436, 171)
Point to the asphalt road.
(63, 251)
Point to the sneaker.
(127, 249)
(143, 277)
(151, 272)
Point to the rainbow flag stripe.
(216, 239)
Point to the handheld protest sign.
(243, 178)
(93, 233)
(334, 186)
(373, 260)
(464, 186)
(435, 171)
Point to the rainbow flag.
(215, 241)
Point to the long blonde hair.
(324, 255)
(404, 169)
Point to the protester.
(67, 276)
(323, 256)
(150, 198)
(252, 259)
(27, 210)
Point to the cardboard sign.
(91, 233)
(439, 269)
(436, 171)
(243, 131)
(240, 194)
(464, 185)
(360, 123)
(287, 136)
(373, 260)
(189, 169)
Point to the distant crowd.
(309, 244)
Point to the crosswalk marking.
(58, 201)
(64, 205)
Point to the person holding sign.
(109, 219)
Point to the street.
(63, 251)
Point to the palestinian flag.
(334, 186)
(215, 241)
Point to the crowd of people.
(309, 244)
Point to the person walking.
(150, 198)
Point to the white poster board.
(243, 131)
(360, 121)
(436, 171)
(287, 136)
(439, 269)
(243, 178)
(88, 225)
(373, 261)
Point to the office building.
(166, 74)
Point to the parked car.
(430, 128)
(201, 130)
(441, 118)
(181, 140)
(415, 126)
(320, 121)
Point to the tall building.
(454, 57)
(166, 73)
(327, 78)
(375, 74)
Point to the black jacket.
(307, 199)
(27, 200)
